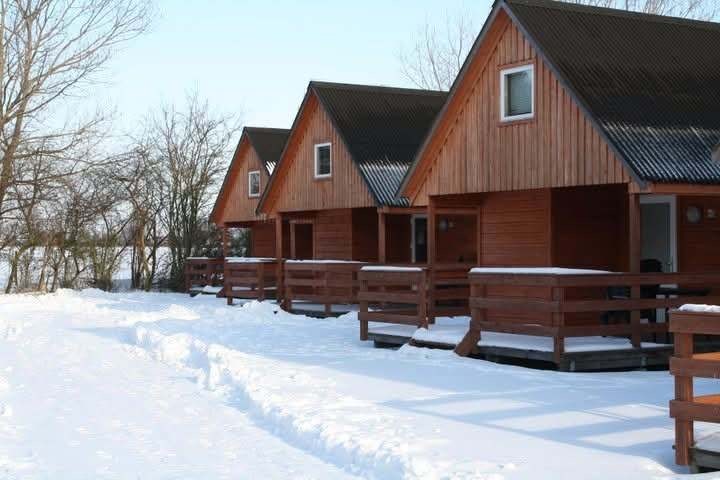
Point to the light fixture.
(443, 225)
(693, 214)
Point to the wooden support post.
(431, 232)
(684, 393)
(634, 233)
(422, 300)
(558, 321)
(382, 237)
(469, 342)
(293, 241)
(636, 335)
(279, 256)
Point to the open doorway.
(419, 239)
(302, 241)
(659, 230)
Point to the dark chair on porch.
(649, 265)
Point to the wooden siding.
(333, 235)
(590, 228)
(516, 229)
(472, 151)
(262, 235)
(698, 244)
(399, 238)
(237, 205)
(365, 234)
(458, 243)
(296, 189)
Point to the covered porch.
(539, 254)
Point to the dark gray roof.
(268, 143)
(650, 83)
(382, 128)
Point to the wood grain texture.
(296, 189)
(472, 151)
(235, 203)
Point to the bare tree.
(192, 145)
(51, 50)
(437, 56)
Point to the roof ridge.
(353, 86)
(617, 12)
(266, 129)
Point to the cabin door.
(419, 239)
(659, 230)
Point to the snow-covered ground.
(133, 385)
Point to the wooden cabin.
(333, 191)
(248, 175)
(581, 138)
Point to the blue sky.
(256, 57)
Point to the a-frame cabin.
(248, 174)
(335, 183)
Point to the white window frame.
(317, 148)
(503, 104)
(250, 175)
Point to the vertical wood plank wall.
(296, 189)
(238, 206)
(333, 232)
(399, 237)
(365, 234)
(262, 236)
(699, 244)
(478, 153)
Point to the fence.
(201, 272)
(571, 305)
(324, 282)
(684, 366)
(250, 278)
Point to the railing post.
(558, 296)
(227, 282)
(326, 290)
(431, 294)
(422, 299)
(636, 335)
(474, 333)
(683, 393)
(260, 272)
(363, 307)
(287, 291)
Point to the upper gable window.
(254, 183)
(517, 93)
(323, 160)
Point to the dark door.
(303, 241)
(419, 239)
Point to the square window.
(517, 93)
(323, 160)
(254, 183)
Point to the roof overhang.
(225, 187)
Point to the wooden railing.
(571, 305)
(323, 282)
(395, 294)
(684, 366)
(448, 290)
(250, 278)
(412, 295)
(202, 271)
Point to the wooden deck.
(648, 356)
